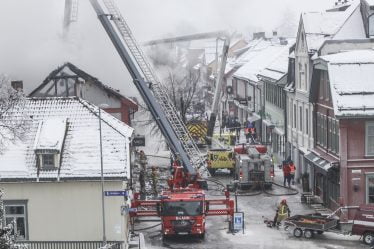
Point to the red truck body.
(363, 222)
(183, 208)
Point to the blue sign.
(238, 221)
(115, 193)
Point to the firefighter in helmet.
(283, 212)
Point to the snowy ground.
(256, 234)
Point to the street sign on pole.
(238, 221)
(115, 193)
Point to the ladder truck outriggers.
(183, 208)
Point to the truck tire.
(308, 233)
(297, 232)
(368, 237)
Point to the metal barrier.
(69, 244)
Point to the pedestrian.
(292, 171)
(282, 213)
(154, 176)
(248, 129)
(286, 174)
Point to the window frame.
(25, 215)
(49, 166)
(367, 187)
(307, 121)
(301, 118)
(367, 124)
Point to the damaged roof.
(82, 74)
(351, 82)
(80, 157)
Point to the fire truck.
(183, 207)
(253, 167)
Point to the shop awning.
(318, 162)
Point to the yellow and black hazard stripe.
(197, 129)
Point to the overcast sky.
(31, 43)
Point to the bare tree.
(12, 119)
(180, 77)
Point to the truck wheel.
(368, 238)
(308, 234)
(319, 232)
(297, 232)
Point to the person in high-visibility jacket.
(283, 212)
(292, 171)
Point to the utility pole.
(102, 180)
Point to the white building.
(51, 176)
(314, 29)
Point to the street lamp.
(102, 174)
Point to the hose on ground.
(146, 228)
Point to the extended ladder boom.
(218, 89)
(152, 92)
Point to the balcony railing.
(69, 244)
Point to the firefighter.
(292, 171)
(283, 212)
(154, 176)
(286, 174)
(142, 171)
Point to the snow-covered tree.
(10, 128)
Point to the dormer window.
(49, 143)
(48, 161)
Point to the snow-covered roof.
(50, 134)
(261, 57)
(80, 158)
(351, 82)
(321, 26)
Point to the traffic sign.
(115, 193)
(238, 221)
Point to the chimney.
(17, 85)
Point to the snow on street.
(257, 234)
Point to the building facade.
(51, 177)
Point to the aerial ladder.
(218, 89)
(183, 207)
(154, 94)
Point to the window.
(294, 116)
(371, 25)
(369, 139)
(300, 75)
(327, 92)
(370, 189)
(306, 77)
(301, 118)
(48, 160)
(16, 213)
(306, 121)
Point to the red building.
(343, 154)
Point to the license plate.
(183, 233)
